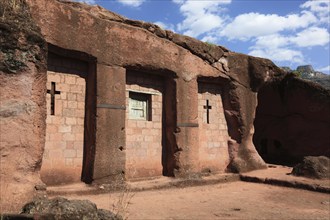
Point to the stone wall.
(62, 160)
(144, 131)
(213, 131)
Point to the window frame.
(142, 97)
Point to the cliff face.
(22, 104)
(292, 121)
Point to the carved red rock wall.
(22, 107)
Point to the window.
(139, 106)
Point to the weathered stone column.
(187, 128)
(248, 74)
(110, 122)
(240, 118)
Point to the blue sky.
(289, 32)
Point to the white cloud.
(178, 1)
(273, 41)
(200, 16)
(165, 26)
(320, 7)
(277, 48)
(161, 24)
(132, 3)
(313, 36)
(280, 38)
(282, 48)
(279, 54)
(317, 5)
(91, 2)
(247, 26)
(210, 39)
(195, 26)
(324, 69)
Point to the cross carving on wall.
(52, 93)
(207, 107)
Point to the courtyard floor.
(231, 200)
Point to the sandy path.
(237, 200)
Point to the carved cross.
(52, 93)
(207, 107)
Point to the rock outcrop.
(64, 209)
(313, 167)
(22, 104)
(307, 72)
(306, 69)
(247, 75)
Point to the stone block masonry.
(144, 101)
(213, 134)
(66, 89)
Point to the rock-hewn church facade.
(126, 98)
(102, 97)
(129, 102)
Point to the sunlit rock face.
(22, 105)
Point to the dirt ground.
(235, 200)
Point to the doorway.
(68, 155)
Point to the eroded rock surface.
(313, 167)
(64, 209)
(22, 105)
